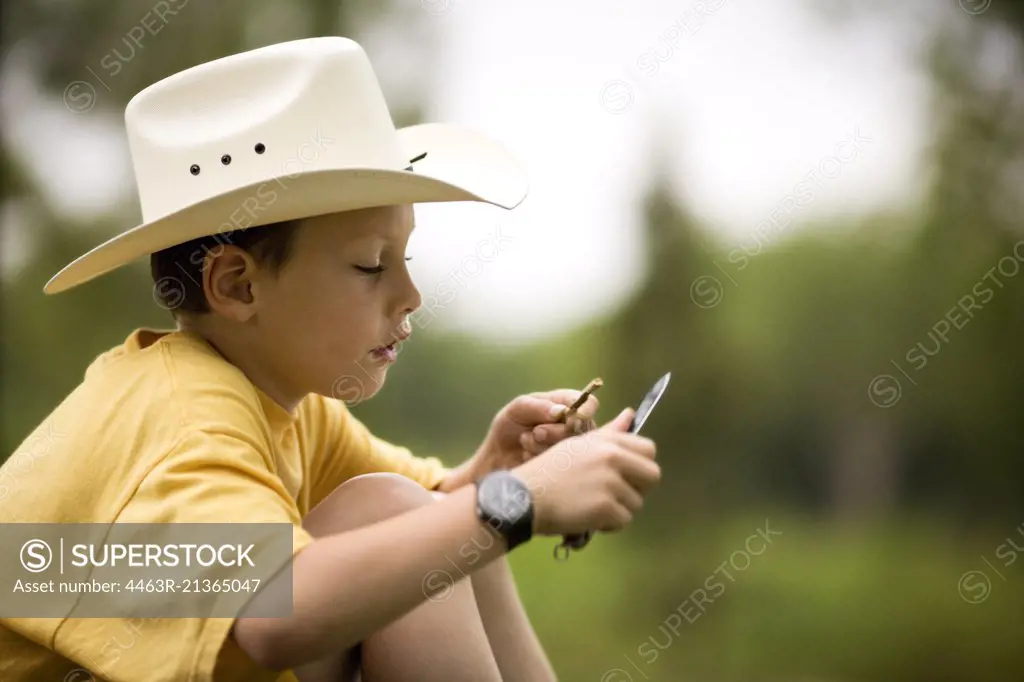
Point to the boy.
(277, 204)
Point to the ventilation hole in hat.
(194, 169)
(412, 161)
(226, 159)
(260, 148)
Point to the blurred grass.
(823, 602)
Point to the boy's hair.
(178, 270)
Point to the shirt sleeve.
(206, 478)
(343, 447)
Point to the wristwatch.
(505, 504)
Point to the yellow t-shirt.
(163, 429)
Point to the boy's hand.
(595, 481)
(524, 428)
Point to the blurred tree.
(123, 46)
(965, 270)
(672, 323)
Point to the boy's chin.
(359, 385)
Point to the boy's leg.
(515, 645)
(442, 640)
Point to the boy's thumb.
(621, 422)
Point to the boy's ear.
(230, 283)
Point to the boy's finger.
(529, 410)
(585, 425)
(641, 473)
(621, 422)
(637, 444)
(530, 444)
(549, 434)
(568, 396)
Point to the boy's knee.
(390, 494)
(366, 499)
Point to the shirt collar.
(278, 417)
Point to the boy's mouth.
(388, 353)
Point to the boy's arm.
(344, 587)
(517, 651)
(342, 447)
(218, 475)
(347, 586)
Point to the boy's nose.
(416, 301)
(410, 298)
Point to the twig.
(590, 388)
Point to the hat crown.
(284, 132)
(258, 116)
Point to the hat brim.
(459, 165)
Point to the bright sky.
(748, 100)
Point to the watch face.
(512, 498)
(505, 497)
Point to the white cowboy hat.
(287, 131)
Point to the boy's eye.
(372, 270)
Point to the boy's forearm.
(345, 587)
